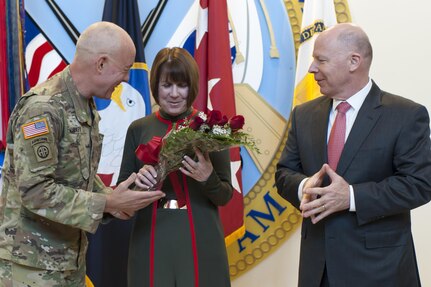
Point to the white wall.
(399, 33)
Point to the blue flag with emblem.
(107, 255)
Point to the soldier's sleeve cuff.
(97, 205)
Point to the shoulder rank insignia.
(34, 129)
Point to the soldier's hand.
(125, 199)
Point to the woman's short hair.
(175, 65)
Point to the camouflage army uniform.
(53, 150)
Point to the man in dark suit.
(356, 229)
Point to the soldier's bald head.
(104, 55)
(103, 38)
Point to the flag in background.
(16, 74)
(126, 15)
(1, 165)
(11, 60)
(108, 249)
(318, 15)
(4, 109)
(42, 61)
(129, 101)
(216, 92)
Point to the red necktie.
(338, 135)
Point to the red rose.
(214, 118)
(196, 123)
(149, 153)
(236, 122)
(223, 121)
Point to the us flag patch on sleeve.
(34, 129)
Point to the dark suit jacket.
(387, 160)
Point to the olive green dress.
(174, 247)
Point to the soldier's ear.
(101, 63)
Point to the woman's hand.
(199, 170)
(146, 177)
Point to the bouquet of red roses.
(207, 132)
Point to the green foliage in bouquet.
(208, 133)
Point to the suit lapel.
(320, 122)
(365, 121)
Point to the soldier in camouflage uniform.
(51, 194)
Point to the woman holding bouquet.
(178, 241)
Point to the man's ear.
(355, 61)
(100, 64)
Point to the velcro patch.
(34, 129)
(42, 152)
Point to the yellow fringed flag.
(318, 15)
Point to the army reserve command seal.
(269, 219)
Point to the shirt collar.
(357, 99)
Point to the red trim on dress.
(182, 197)
(192, 232)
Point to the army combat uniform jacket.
(51, 194)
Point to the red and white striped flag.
(42, 60)
(216, 92)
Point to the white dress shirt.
(355, 102)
